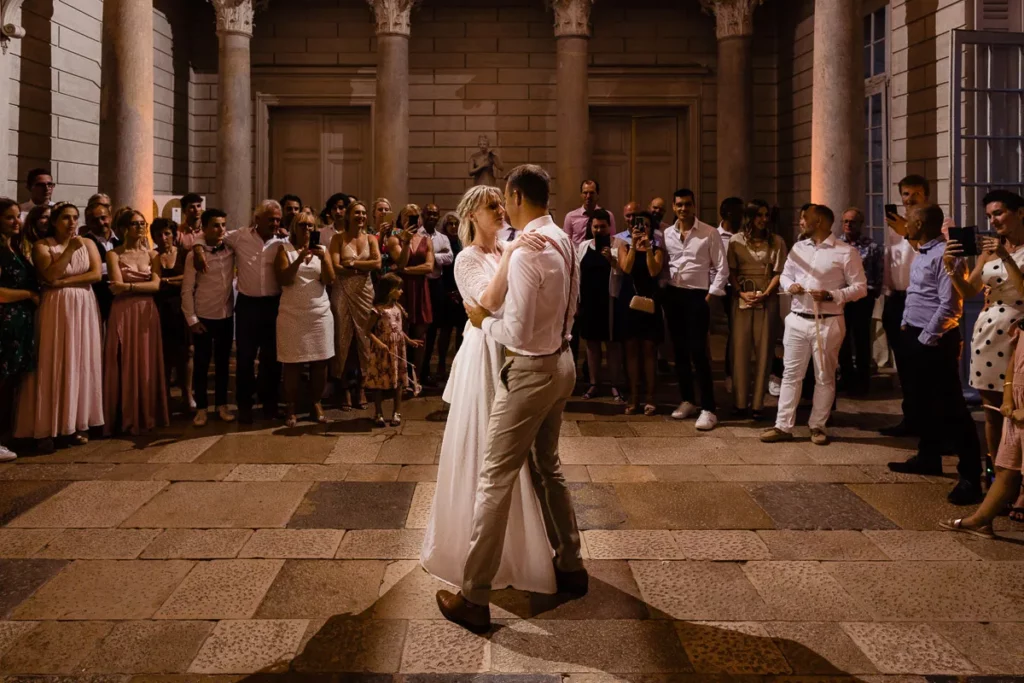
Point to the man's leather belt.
(509, 353)
(811, 316)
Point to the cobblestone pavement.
(201, 553)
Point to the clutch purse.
(743, 305)
(644, 304)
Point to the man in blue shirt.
(931, 333)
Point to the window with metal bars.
(876, 123)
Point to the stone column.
(572, 123)
(391, 107)
(234, 111)
(126, 104)
(10, 20)
(735, 107)
(837, 111)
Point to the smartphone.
(891, 210)
(968, 239)
(602, 242)
(314, 239)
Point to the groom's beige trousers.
(525, 423)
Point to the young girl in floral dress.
(386, 370)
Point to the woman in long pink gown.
(64, 396)
(134, 383)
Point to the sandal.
(318, 414)
(650, 409)
(80, 439)
(291, 421)
(1017, 514)
(396, 420)
(379, 421)
(958, 525)
(617, 397)
(590, 393)
(632, 409)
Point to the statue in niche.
(485, 166)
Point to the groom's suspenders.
(571, 262)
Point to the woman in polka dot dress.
(997, 273)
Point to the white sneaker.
(6, 454)
(200, 419)
(728, 385)
(707, 421)
(685, 410)
(774, 386)
(225, 414)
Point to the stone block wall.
(796, 76)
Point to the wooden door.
(346, 154)
(295, 155)
(611, 161)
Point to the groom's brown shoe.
(459, 610)
(575, 583)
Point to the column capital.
(572, 17)
(234, 16)
(10, 22)
(392, 16)
(734, 18)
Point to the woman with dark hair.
(176, 335)
(454, 314)
(68, 338)
(19, 298)
(756, 258)
(37, 224)
(332, 218)
(420, 263)
(638, 320)
(594, 314)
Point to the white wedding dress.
(526, 558)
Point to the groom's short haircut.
(532, 182)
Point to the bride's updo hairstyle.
(475, 197)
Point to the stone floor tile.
(136, 471)
(590, 450)
(206, 505)
(597, 506)
(371, 645)
(191, 471)
(755, 453)
(575, 473)
(705, 450)
(816, 506)
(407, 592)
(90, 504)
(18, 496)
(699, 590)
(354, 505)
(881, 474)
(826, 474)
(105, 589)
(419, 508)
(858, 453)
(818, 648)
(221, 589)
(54, 647)
(690, 505)
(99, 544)
(720, 545)
(1008, 547)
(55, 471)
(292, 543)
(322, 588)
(934, 591)
(632, 545)
(664, 428)
(569, 428)
(907, 649)
(373, 472)
(317, 473)
(119, 450)
(11, 631)
(802, 590)
(750, 472)
(422, 428)
(185, 450)
(196, 544)
(418, 473)
(258, 473)
(620, 473)
(614, 646)
(381, 544)
(911, 506)
(242, 647)
(21, 578)
(682, 473)
(409, 450)
(355, 449)
(24, 542)
(153, 647)
(920, 545)
(439, 646)
(268, 449)
(731, 648)
(992, 648)
(785, 544)
(605, 429)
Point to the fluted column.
(572, 122)
(391, 107)
(126, 127)
(234, 110)
(735, 30)
(837, 111)
(10, 20)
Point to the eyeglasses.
(48, 186)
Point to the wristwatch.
(829, 297)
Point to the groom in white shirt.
(538, 376)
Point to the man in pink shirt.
(575, 224)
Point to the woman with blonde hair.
(481, 273)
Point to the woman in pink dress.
(134, 383)
(64, 397)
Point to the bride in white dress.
(481, 271)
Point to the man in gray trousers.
(538, 376)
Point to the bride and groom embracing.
(502, 515)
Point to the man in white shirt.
(822, 273)
(207, 301)
(40, 189)
(730, 213)
(98, 229)
(191, 227)
(698, 270)
(443, 257)
(538, 378)
(575, 223)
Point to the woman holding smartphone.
(998, 272)
(594, 316)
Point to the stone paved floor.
(200, 553)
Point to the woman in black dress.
(177, 338)
(639, 321)
(594, 316)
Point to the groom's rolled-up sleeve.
(514, 329)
